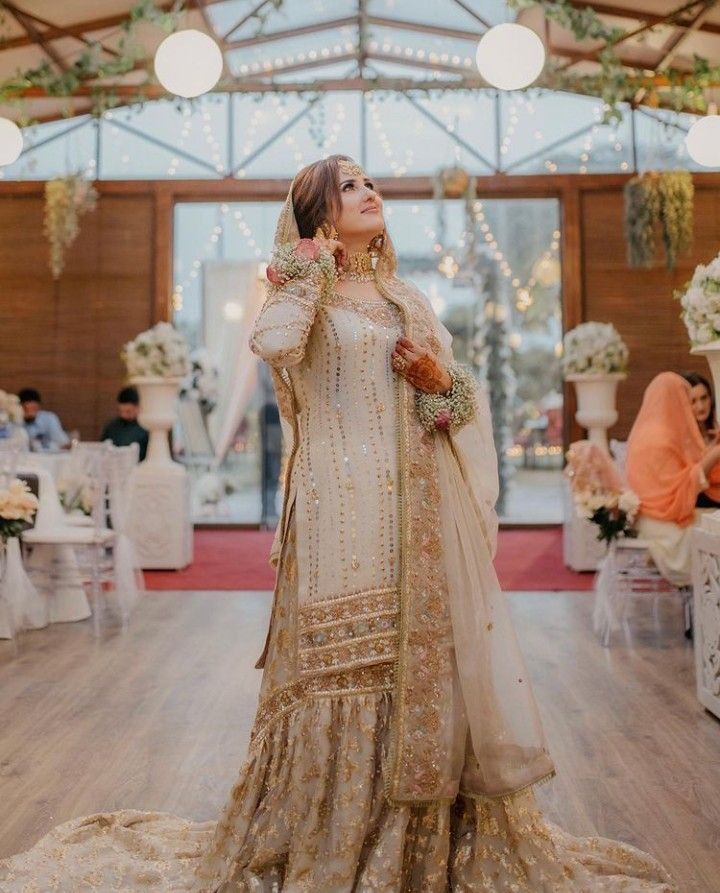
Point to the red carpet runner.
(237, 559)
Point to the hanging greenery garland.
(658, 202)
(615, 84)
(66, 200)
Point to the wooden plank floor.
(158, 718)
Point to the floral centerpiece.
(77, 493)
(201, 383)
(10, 409)
(594, 348)
(17, 509)
(160, 352)
(700, 300)
(598, 492)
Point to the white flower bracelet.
(452, 410)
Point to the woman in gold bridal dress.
(397, 740)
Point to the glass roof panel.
(540, 129)
(290, 15)
(449, 15)
(660, 137)
(73, 150)
(329, 127)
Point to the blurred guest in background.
(125, 428)
(43, 427)
(703, 404)
(668, 466)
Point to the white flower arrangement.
(201, 383)
(10, 409)
(77, 493)
(159, 352)
(594, 348)
(17, 509)
(701, 304)
(614, 513)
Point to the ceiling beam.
(623, 12)
(28, 26)
(88, 26)
(313, 28)
(471, 12)
(423, 28)
(246, 18)
(668, 19)
(675, 41)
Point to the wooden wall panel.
(65, 337)
(640, 303)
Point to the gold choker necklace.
(359, 268)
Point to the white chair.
(628, 571)
(105, 559)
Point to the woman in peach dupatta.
(668, 465)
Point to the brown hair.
(316, 195)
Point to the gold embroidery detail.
(381, 312)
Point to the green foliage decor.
(658, 201)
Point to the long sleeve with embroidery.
(283, 325)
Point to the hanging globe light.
(188, 63)
(703, 141)
(11, 141)
(510, 56)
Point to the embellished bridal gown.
(396, 740)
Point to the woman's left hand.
(420, 367)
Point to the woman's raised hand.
(420, 367)
(335, 247)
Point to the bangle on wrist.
(453, 409)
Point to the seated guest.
(668, 464)
(125, 429)
(703, 405)
(43, 427)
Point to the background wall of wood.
(640, 303)
(65, 337)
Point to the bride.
(397, 740)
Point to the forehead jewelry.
(351, 169)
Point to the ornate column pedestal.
(706, 617)
(159, 522)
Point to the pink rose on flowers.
(443, 417)
(307, 249)
(274, 276)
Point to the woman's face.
(361, 215)
(700, 402)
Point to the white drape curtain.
(234, 292)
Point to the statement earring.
(377, 243)
(327, 231)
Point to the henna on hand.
(426, 374)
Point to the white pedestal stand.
(706, 616)
(158, 521)
(596, 404)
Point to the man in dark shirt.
(125, 429)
